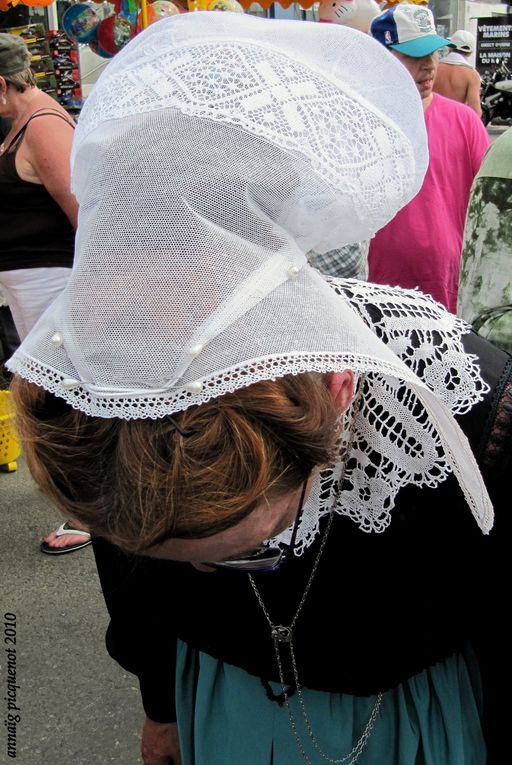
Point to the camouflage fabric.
(485, 291)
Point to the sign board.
(493, 43)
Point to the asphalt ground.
(75, 705)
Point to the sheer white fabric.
(214, 152)
(294, 84)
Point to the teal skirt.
(225, 718)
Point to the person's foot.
(66, 538)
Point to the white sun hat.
(463, 40)
(213, 153)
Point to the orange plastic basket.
(9, 441)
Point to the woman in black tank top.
(37, 209)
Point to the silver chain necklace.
(284, 635)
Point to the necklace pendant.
(282, 634)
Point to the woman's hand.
(160, 744)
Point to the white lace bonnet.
(213, 153)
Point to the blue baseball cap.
(409, 29)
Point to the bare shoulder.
(47, 117)
(53, 117)
(468, 74)
(47, 141)
(54, 128)
(442, 70)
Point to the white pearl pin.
(195, 387)
(57, 340)
(69, 383)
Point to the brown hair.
(138, 482)
(21, 80)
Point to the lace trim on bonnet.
(428, 339)
(406, 447)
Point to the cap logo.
(422, 19)
(388, 37)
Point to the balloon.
(113, 33)
(80, 22)
(96, 48)
(159, 10)
(215, 5)
(225, 5)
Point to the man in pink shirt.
(421, 246)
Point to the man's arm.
(473, 92)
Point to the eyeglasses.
(265, 558)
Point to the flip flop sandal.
(62, 531)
